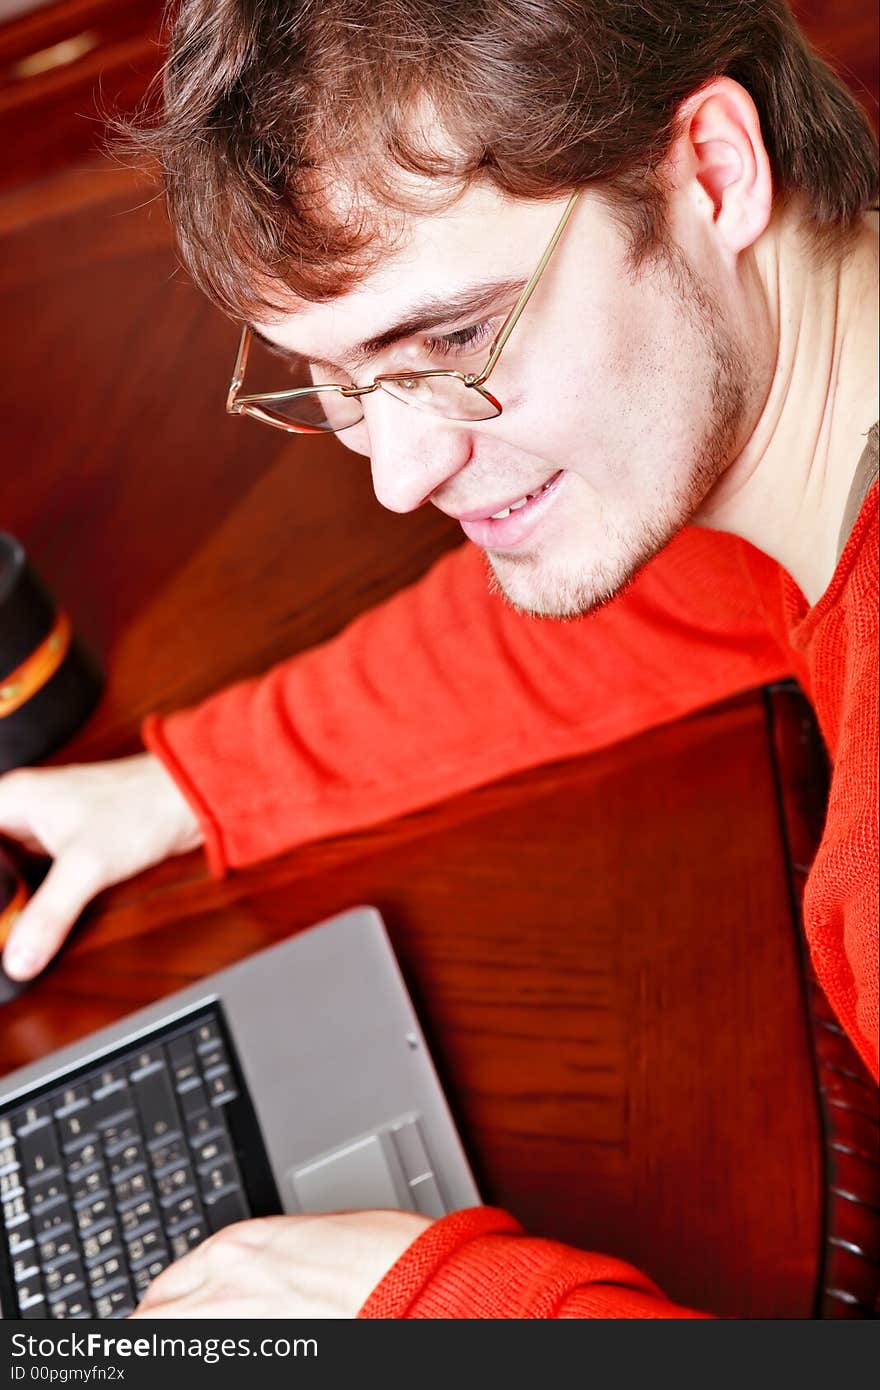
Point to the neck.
(787, 490)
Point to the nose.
(412, 453)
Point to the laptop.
(296, 1081)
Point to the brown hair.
(288, 127)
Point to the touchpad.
(357, 1177)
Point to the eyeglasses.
(333, 407)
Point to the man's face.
(625, 394)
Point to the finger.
(15, 808)
(45, 921)
(203, 1305)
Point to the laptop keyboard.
(107, 1178)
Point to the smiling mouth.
(512, 526)
(523, 501)
(503, 512)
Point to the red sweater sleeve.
(478, 1264)
(445, 687)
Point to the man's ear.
(718, 156)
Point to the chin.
(541, 591)
(565, 587)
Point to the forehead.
(485, 236)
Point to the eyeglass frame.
(243, 405)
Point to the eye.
(464, 341)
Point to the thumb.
(46, 919)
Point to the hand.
(101, 823)
(284, 1267)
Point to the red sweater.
(328, 743)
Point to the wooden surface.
(604, 953)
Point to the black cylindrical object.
(49, 684)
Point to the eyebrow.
(426, 314)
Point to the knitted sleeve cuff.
(478, 1264)
(155, 741)
(407, 1283)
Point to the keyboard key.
(188, 1239)
(31, 1117)
(24, 1268)
(99, 1243)
(76, 1130)
(15, 1210)
(83, 1161)
(145, 1061)
(119, 1131)
(194, 1104)
(154, 1095)
(98, 1212)
(213, 1057)
(130, 1158)
(8, 1156)
(137, 1218)
(224, 1207)
(174, 1183)
(131, 1189)
(206, 1034)
(170, 1154)
(145, 1248)
(53, 1222)
(106, 1274)
(115, 1303)
(20, 1238)
(111, 1108)
(47, 1193)
(64, 1278)
(84, 1188)
(34, 1308)
(181, 1211)
(70, 1305)
(108, 1079)
(213, 1150)
(221, 1087)
(71, 1099)
(10, 1185)
(215, 1177)
(184, 1067)
(57, 1251)
(39, 1154)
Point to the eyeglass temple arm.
(239, 369)
(510, 325)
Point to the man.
(387, 195)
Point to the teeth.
(514, 507)
(529, 497)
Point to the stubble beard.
(529, 581)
